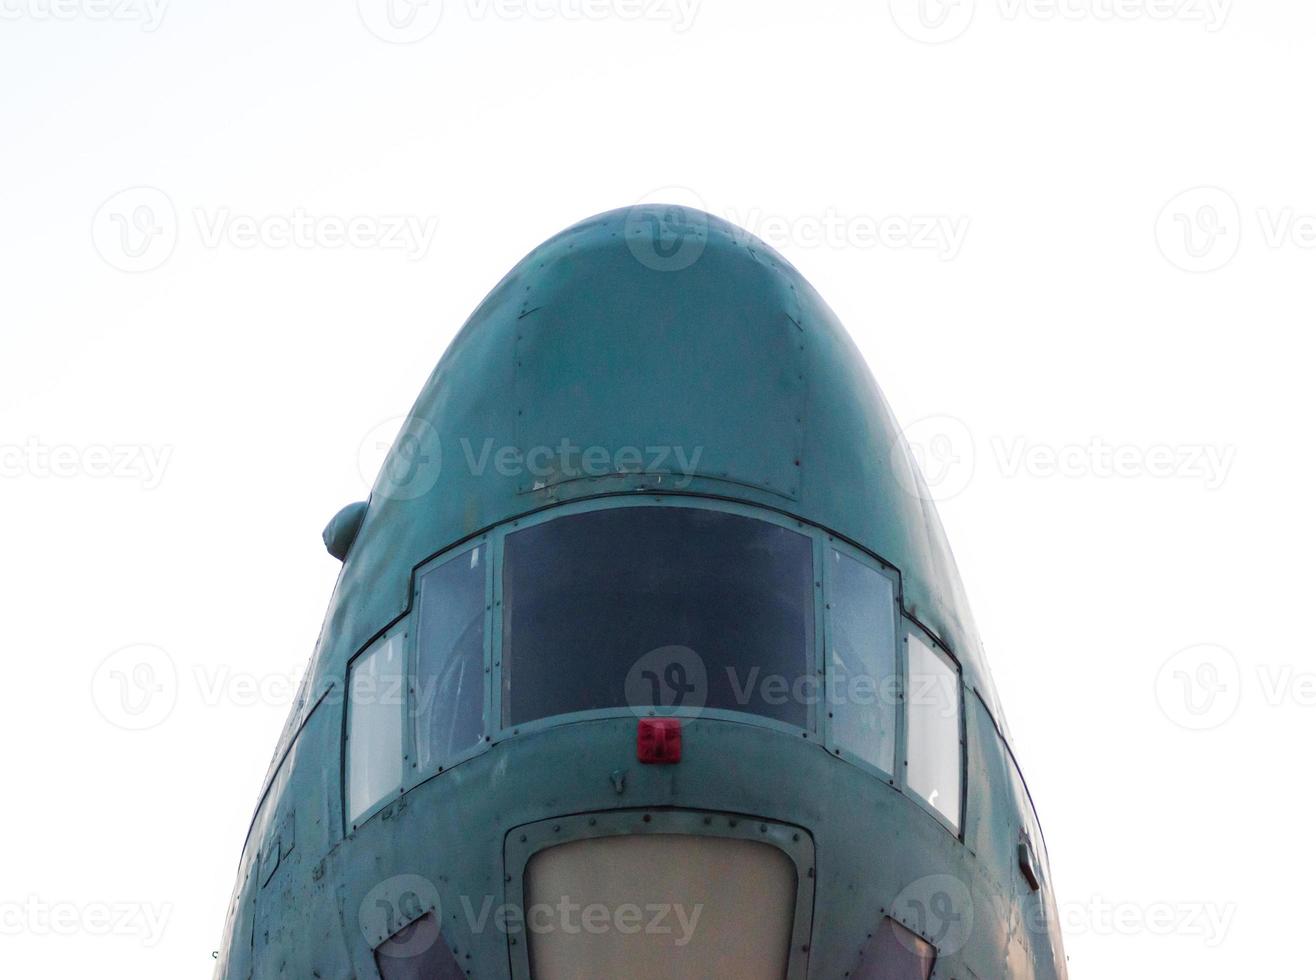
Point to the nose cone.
(652, 446)
(654, 348)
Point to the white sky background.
(1061, 323)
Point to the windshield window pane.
(668, 606)
(933, 709)
(862, 661)
(450, 663)
(374, 725)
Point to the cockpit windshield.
(675, 607)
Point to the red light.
(658, 741)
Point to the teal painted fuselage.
(652, 476)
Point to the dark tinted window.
(662, 606)
(449, 698)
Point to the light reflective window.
(862, 661)
(375, 698)
(449, 689)
(676, 607)
(744, 891)
(933, 744)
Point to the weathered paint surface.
(607, 336)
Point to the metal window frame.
(400, 628)
(819, 721)
(524, 842)
(413, 775)
(911, 628)
(897, 632)
(690, 502)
